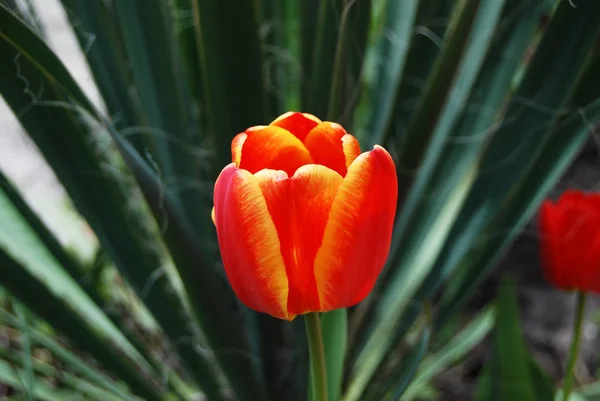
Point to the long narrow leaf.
(70, 149)
(545, 143)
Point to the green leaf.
(472, 334)
(510, 364)
(349, 54)
(42, 391)
(509, 190)
(418, 264)
(154, 58)
(323, 43)
(391, 54)
(335, 335)
(75, 363)
(209, 296)
(31, 274)
(47, 371)
(427, 40)
(489, 92)
(231, 59)
(395, 383)
(542, 385)
(68, 142)
(97, 31)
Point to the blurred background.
(546, 313)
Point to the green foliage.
(483, 105)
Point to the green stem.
(318, 371)
(575, 345)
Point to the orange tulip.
(304, 221)
(570, 241)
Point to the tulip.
(570, 252)
(570, 241)
(304, 221)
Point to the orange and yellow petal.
(357, 237)
(299, 124)
(312, 192)
(300, 207)
(269, 147)
(330, 145)
(249, 243)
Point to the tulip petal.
(300, 209)
(313, 190)
(271, 148)
(250, 247)
(299, 124)
(357, 238)
(330, 145)
(550, 244)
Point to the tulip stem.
(575, 345)
(318, 371)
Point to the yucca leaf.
(209, 295)
(469, 336)
(69, 148)
(31, 274)
(390, 51)
(75, 363)
(422, 216)
(44, 370)
(511, 376)
(403, 371)
(349, 54)
(380, 339)
(96, 28)
(72, 267)
(428, 36)
(231, 60)
(547, 142)
(42, 391)
(472, 132)
(183, 15)
(153, 54)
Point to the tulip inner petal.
(330, 145)
(299, 124)
(269, 148)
